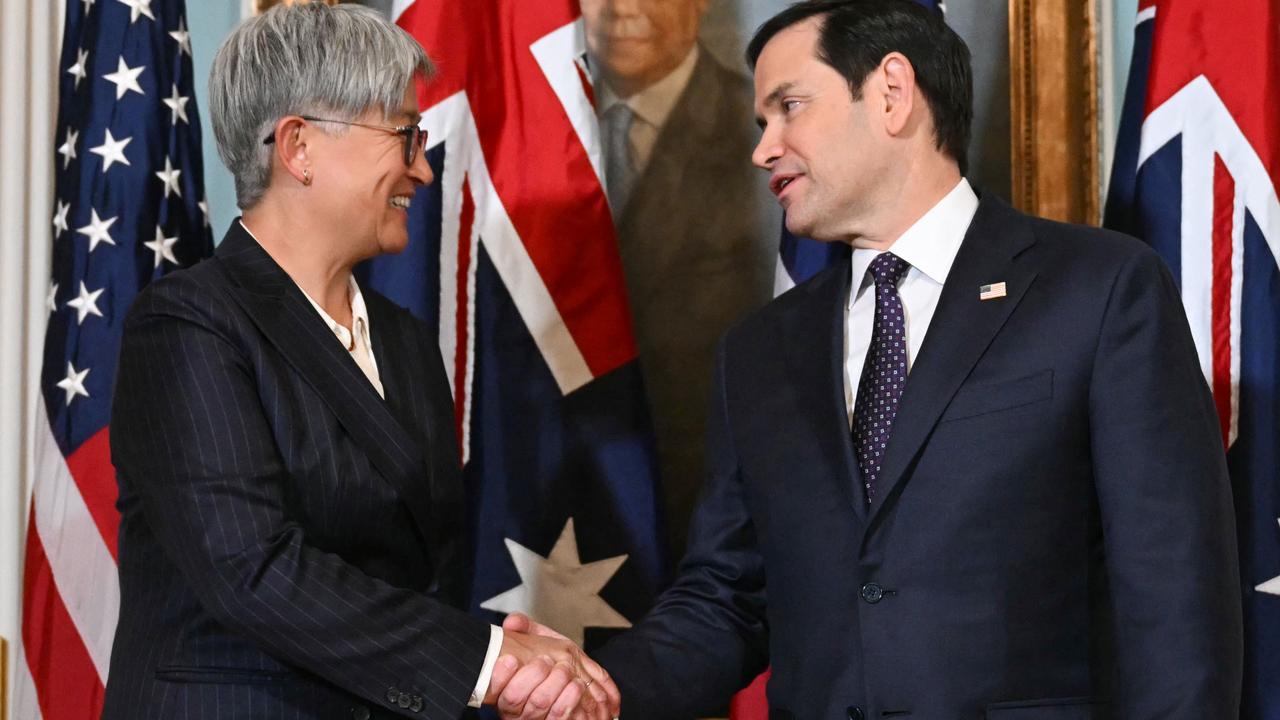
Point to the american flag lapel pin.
(991, 292)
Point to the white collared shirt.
(930, 247)
(651, 107)
(357, 340)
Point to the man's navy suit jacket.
(290, 543)
(1052, 537)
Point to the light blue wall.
(1124, 13)
(210, 21)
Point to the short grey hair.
(340, 61)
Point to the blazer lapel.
(288, 322)
(815, 358)
(962, 328)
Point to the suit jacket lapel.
(962, 328)
(819, 371)
(288, 322)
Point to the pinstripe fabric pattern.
(289, 542)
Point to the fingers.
(602, 687)
(517, 622)
(513, 698)
(503, 670)
(566, 705)
(551, 692)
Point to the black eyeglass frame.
(415, 137)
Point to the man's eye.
(789, 105)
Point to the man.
(697, 234)
(975, 475)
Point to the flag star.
(182, 36)
(559, 590)
(73, 383)
(60, 219)
(68, 149)
(51, 300)
(169, 177)
(204, 209)
(98, 231)
(112, 151)
(86, 303)
(78, 69)
(125, 78)
(178, 104)
(162, 247)
(138, 8)
(88, 4)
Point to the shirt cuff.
(486, 670)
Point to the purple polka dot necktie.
(884, 373)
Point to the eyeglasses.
(415, 138)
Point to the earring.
(306, 176)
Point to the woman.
(290, 544)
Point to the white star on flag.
(125, 78)
(88, 4)
(60, 219)
(51, 300)
(86, 303)
(138, 8)
(182, 36)
(78, 69)
(558, 590)
(68, 149)
(169, 177)
(178, 104)
(204, 210)
(73, 383)
(97, 230)
(162, 247)
(1270, 587)
(112, 151)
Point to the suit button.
(359, 712)
(404, 700)
(392, 695)
(417, 704)
(872, 593)
(855, 713)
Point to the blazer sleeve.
(190, 437)
(1165, 502)
(706, 636)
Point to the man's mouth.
(778, 183)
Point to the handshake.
(542, 674)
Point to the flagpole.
(4, 679)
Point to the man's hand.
(541, 674)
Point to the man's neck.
(902, 203)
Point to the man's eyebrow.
(773, 98)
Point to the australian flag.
(514, 261)
(128, 207)
(1196, 175)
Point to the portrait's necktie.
(884, 374)
(620, 167)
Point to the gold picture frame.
(1053, 92)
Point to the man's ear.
(898, 79)
(292, 135)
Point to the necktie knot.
(887, 269)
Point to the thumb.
(517, 622)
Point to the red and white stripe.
(71, 592)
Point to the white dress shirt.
(651, 107)
(930, 247)
(360, 344)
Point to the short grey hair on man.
(340, 61)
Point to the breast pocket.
(1077, 708)
(991, 397)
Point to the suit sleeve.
(706, 636)
(1165, 502)
(192, 441)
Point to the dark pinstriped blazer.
(290, 543)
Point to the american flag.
(513, 259)
(1196, 175)
(129, 208)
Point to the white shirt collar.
(931, 243)
(655, 103)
